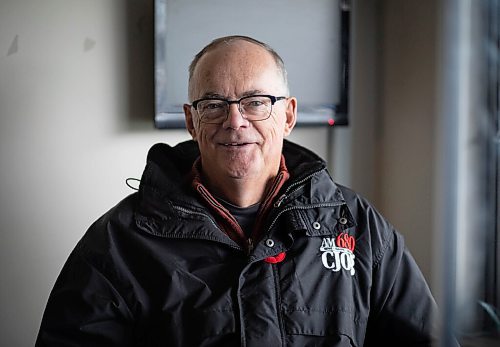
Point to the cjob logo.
(338, 253)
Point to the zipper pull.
(280, 200)
(249, 245)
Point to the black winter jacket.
(157, 270)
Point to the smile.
(234, 144)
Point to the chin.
(249, 171)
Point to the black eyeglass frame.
(273, 99)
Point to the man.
(239, 238)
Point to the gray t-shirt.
(244, 215)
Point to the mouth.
(235, 144)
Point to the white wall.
(68, 138)
(76, 110)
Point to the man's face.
(239, 148)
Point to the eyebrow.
(220, 96)
(212, 95)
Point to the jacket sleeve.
(403, 308)
(85, 309)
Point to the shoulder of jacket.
(113, 224)
(372, 226)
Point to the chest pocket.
(305, 326)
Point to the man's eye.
(214, 105)
(255, 103)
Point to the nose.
(235, 119)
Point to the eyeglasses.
(252, 108)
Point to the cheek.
(276, 127)
(204, 134)
(273, 135)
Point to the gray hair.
(228, 39)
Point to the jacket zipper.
(188, 211)
(249, 246)
(277, 288)
(298, 183)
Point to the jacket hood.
(300, 161)
(168, 168)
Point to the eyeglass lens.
(252, 108)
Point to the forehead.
(234, 68)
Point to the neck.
(239, 192)
(242, 192)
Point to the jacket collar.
(226, 220)
(170, 175)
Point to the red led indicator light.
(331, 121)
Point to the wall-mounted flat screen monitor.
(312, 37)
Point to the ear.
(190, 121)
(291, 115)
